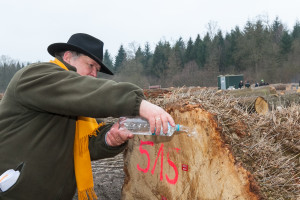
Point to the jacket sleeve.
(98, 147)
(46, 87)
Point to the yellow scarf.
(85, 127)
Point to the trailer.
(226, 82)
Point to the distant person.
(48, 130)
(256, 84)
(241, 84)
(247, 84)
(262, 83)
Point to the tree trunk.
(280, 101)
(254, 104)
(262, 91)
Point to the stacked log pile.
(265, 147)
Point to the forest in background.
(259, 50)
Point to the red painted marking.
(160, 151)
(172, 181)
(163, 198)
(143, 151)
(185, 167)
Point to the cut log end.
(261, 106)
(255, 104)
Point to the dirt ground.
(108, 177)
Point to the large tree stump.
(187, 165)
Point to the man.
(262, 83)
(241, 84)
(247, 84)
(48, 134)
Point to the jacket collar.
(70, 67)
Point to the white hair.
(75, 54)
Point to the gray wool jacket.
(37, 125)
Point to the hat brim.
(60, 47)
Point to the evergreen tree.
(120, 58)
(220, 51)
(139, 54)
(204, 50)
(179, 50)
(140, 58)
(296, 31)
(189, 56)
(286, 43)
(8, 68)
(246, 49)
(18, 66)
(197, 51)
(231, 46)
(277, 30)
(147, 58)
(107, 60)
(160, 59)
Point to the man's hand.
(156, 116)
(116, 136)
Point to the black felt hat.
(85, 44)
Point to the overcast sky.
(29, 26)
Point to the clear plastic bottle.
(140, 126)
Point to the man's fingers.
(157, 117)
(164, 120)
(130, 136)
(111, 140)
(157, 125)
(170, 120)
(152, 124)
(116, 136)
